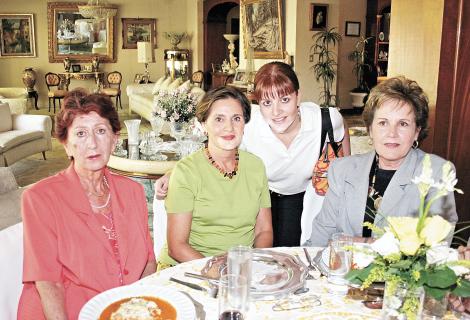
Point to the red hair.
(79, 102)
(275, 79)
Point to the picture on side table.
(318, 16)
(263, 29)
(17, 35)
(136, 29)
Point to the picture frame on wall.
(318, 17)
(263, 28)
(352, 29)
(17, 35)
(138, 29)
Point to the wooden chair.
(53, 81)
(113, 88)
(229, 79)
(197, 78)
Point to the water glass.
(233, 299)
(132, 130)
(239, 263)
(340, 258)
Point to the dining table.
(319, 302)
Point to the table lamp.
(145, 55)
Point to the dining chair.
(229, 79)
(197, 78)
(113, 88)
(53, 81)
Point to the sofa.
(22, 135)
(141, 95)
(11, 244)
(17, 99)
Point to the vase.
(132, 131)
(434, 308)
(178, 129)
(29, 78)
(402, 302)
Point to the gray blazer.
(345, 202)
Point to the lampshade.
(145, 52)
(97, 9)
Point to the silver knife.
(189, 284)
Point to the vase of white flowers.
(412, 252)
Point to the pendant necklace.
(222, 171)
(374, 194)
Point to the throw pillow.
(7, 180)
(185, 85)
(164, 85)
(198, 92)
(175, 84)
(6, 123)
(156, 87)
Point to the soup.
(165, 310)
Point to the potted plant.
(324, 68)
(359, 56)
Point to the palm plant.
(324, 68)
(359, 56)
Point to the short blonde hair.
(401, 90)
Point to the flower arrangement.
(411, 251)
(175, 106)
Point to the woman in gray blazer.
(396, 116)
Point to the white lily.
(386, 244)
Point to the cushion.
(110, 91)
(7, 180)
(175, 84)
(156, 87)
(185, 85)
(57, 93)
(6, 123)
(165, 84)
(13, 138)
(198, 92)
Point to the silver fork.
(311, 266)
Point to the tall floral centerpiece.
(412, 254)
(178, 107)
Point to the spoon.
(301, 290)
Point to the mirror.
(77, 38)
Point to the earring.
(370, 141)
(415, 144)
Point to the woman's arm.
(264, 229)
(52, 299)
(161, 186)
(346, 141)
(149, 269)
(178, 229)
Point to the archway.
(216, 15)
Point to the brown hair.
(403, 91)
(204, 106)
(79, 102)
(275, 78)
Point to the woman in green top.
(218, 197)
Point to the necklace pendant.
(377, 202)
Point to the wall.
(415, 44)
(171, 15)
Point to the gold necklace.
(107, 200)
(222, 171)
(374, 194)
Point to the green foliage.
(324, 68)
(359, 55)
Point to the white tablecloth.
(332, 306)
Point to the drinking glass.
(340, 258)
(132, 131)
(233, 299)
(239, 263)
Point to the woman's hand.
(264, 229)
(161, 186)
(178, 229)
(458, 303)
(52, 299)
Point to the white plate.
(184, 307)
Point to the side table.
(34, 94)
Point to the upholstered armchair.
(17, 99)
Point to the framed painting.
(352, 29)
(70, 35)
(318, 16)
(263, 29)
(17, 35)
(137, 29)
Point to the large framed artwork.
(136, 29)
(318, 16)
(78, 38)
(17, 35)
(263, 28)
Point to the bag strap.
(327, 128)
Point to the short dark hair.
(78, 102)
(275, 78)
(401, 90)
(204, 106)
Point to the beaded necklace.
(222, 171)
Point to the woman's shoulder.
(250, 157)
(436, 161)
(48, 185)
(352, 162)
(191, 162)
